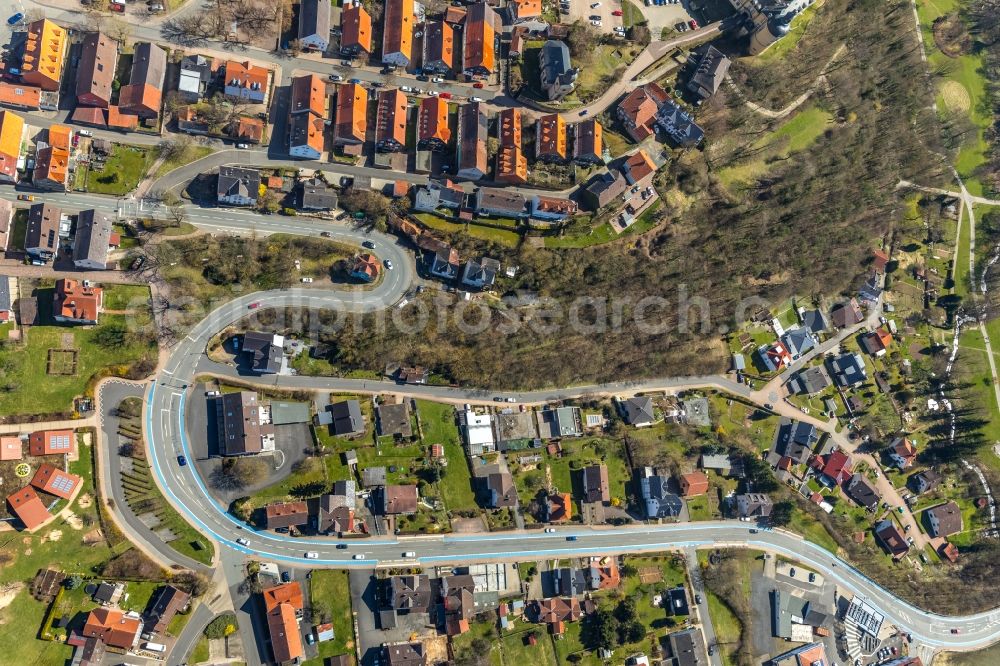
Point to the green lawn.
(122, 171)
(437, 421)
(193, 153)
(478, 631)
(29, 389)
(517, 653)
(727, 626)
(961, 276)
(501, 236)
(126, 297)
(331, 602)
(603, 233)
(631, 14)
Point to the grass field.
(987, 657)
(603, 233)
(193, 153)
(437, 421)
(126, 297)
(501, 236)
(124, 168)
(331, 601)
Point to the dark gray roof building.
(93, 235)
(708, 75)
(314, 194)
(264, 351)
(556, 75)
(347, 418)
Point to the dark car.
(324, 234)
(571, 538)
(341, 546)
(182, 461)
(368, 244)
(286, 577)
(355, 81)
(423, 77)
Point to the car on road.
(312, 555)
(359, 556)
(388, 264)
(341, 546)
(437, 79)
(25, 197)
(242, 542)
(182, 461)
(812, 578)
(571, 538)
(617, 12)
(595, 5)
(324, 234)
(307, 280)
(550, 530)
(511, 398)
(475, 99)
(243, 146)
(368, 244)
(693, 24)
(406, 89)
(956, 631)
(479, 84)
(84, 132)
(409, 553)
(791, 572)
(212, 394)
(423, 77)
(254, 305)
(681, 27)
(286, 577)
(445, 95)
(697, 599)
(711, 650)
(15, 19)
(336, 77)
(356, 82)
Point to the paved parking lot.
(664, 16)
(582, 10)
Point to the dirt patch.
(55, 535)
(951, 36)
(955, 96)
(8, 592)
(72, 520)
(84, 501)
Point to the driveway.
(365, 607)
(663, 16)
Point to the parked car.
(307, 280)
(85, 132)
(312, 555)
(286, 577)
(182, 461)
(406, 89)
(584, 112)
(423, 77)
(25, 197)
(791, 572)
(156, 7)
(812, 578)
(336, 77)
(479, 85)
(697, 599)
(243, 146)
(15, 19)
(475, 99)
(693, 24)
(445, 95)
(212, 394)
(595, 5)
(115, 7)
(437, 79)
(355, 81)
(617, 12)
(550, 530)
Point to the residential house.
(397, 33)
(862, 492)
(351, 117)
(6, 226)
(458, 602)
(439, 48)
(637, 110)
(709, 73)
(557, 77)
(523, 10)
(308, 111)
(96, 70)
(355, 31)
(551, 209)
(76, 303)
(795, 440)
(836, 468)
(480, 274)
(876, 343)
(568, 581)
(314, 24)
(264, 351)
(871, 291)
(390, 125)
(439, 194)
(509, 127)
(282, 515)
(774, 357)
(410, 593)
(116, 628)
(694, 484)
(660, 500)
(891, 538)
(557, 611)
(444, 263)
(433, 132)
(314, 194)
(809, 381)
(902, 453)
(242, 429)
(143, 96)
(603, 188)
(638, 411)
(925, 481)
(21, 96)
(595, 483)
(52, 160)
(500, 491)
(283, 606)
(471, 145)
(238, 186)
(93, 239)
(848, 369)
(500, 202)
(404, 654)
(512, 166)
(193, 78)
(686, 649)
(336, 509)
(245, 128)
(754, 505)
(54, 481)
(550, 138)
(477, 430)
(44, 55)
(845, 315)
(41, 238)
(393, 419)
(678, 125)
(479, 45)
(560, 422)
(10, 448)
(558, 507)
(814, 320)
(11, 138)
(811, 654)
(165, 603)
(51, 442)
(366, 268)
(798, 341)
(347, 418)
(638, 168)
(246, 82)
(28, 507)
(603, 575)
(944, 519)
(588, 146)
(109, 594)
(398, 500)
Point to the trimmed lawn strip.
(330, 593)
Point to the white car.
(312, 555)
(388, 264)
(596, 23)
(409, 553)
(550, 530)
(475, 99)
(85, 133)
(242, 542)
(437, 79)
(212, 394)
(432, 93)
(336, 77)
(243, 146)
(307, 280)
(359, 556)
(406, 88)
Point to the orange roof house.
(28, 507)
(246, 81)
(113, 627)
(479, 54)
(355, 30)
(390, 121)
(75, 303)
(455, 16)
(439, 47)
(10, 448)
(588, 147)
(308, 113)
(286, 593)
(51, 442)
(144, 93)
(20, 95)
(54, 481)
(550, 138)
(11, 134)
(512, 166)
(637, 110)
(59, 136)
(119, 119)
(397, 33)
(51, 168)
(433, 132)
(44, 51)
(524, 9)
(283, 603)
(247, 129)
(560, 507)
(95, 73)
(638, 167)
(366, 267)
(351, 118)
(694, 483)
(510, 127)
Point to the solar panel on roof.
(62, 483)
(60, 442)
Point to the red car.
(253, 306)
(115, 7)
(693, 24)
(445, 95)
(617, 12)
(478, 85)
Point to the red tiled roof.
(54, 481)
(75, 301)
(113, 627)
(286, 593)
(356, 28)
(27, 506)
(10, 448)
(694, 483)
(51, 442)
